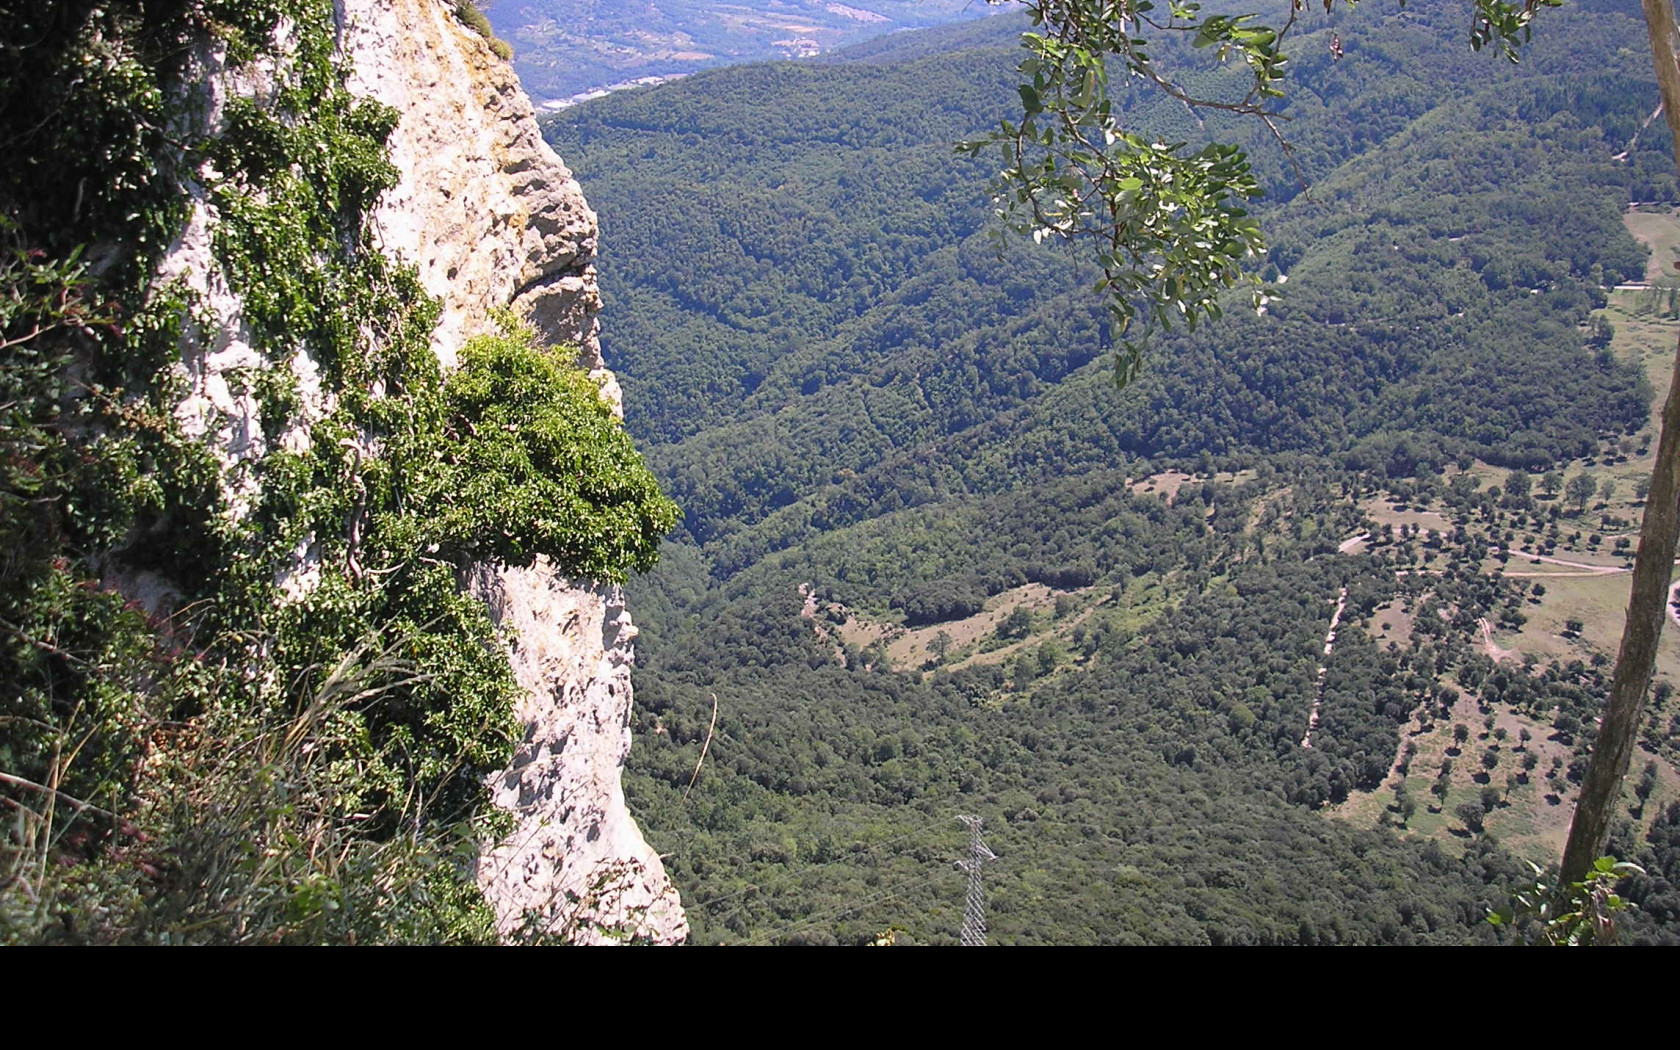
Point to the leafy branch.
(1167, 222)
(1584, 913)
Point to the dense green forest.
(824, 291)
(864, 408)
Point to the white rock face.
(216, 340)
(576, 864)
(492, 218)
(486, 210)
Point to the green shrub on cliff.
(530, 460)
(471, 16)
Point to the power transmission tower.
(974, 905)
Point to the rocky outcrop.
(491, 218)
(486, 210)
(576, 863)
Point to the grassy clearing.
(1392, 622)
(912, 647)
(1387, 512)
(1139, 605)
(974, 640)
(1530, 819)
(1599, 603)
(1658, 227)
(1168, 482)
(1532, 813)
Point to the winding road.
(1591, 569)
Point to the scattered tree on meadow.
(1018, 624)
(1517, 488)
(1580, 489)
(940, 646)
(1646, 785)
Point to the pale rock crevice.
(218, 354)
(217, 347)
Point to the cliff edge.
(491, 218)
(314, 491)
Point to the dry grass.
(1387, 512)
(911, 648)
(1532, 823)
(1600, 603)
(1658, 229)
(1392, 623)
(1168, 482)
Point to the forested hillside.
(933, 562)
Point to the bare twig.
(72, 801)
(703, 749)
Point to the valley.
(934, 563)
(695, 498)
(565, 51)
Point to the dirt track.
(1329, 645)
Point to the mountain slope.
(882, 430)
(800, 267)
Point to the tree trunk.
(1601, 790)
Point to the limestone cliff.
(490, 218)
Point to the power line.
(1035, 823)
(974, 920)
(893, 892)
(848, 858)
(974, 902)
